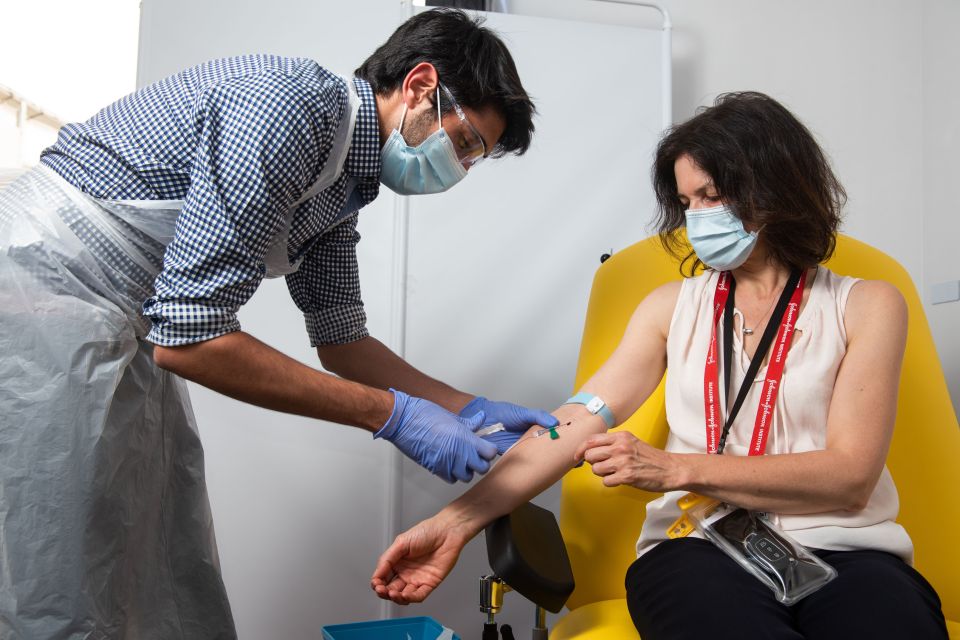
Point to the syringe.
(496, 428)
(493, 428)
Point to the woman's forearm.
(796, 483)
(624, 382)
(532, 465)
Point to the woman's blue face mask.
(430, 167)
(718, 237)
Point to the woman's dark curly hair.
(766, 165)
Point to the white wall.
(941, 166)
(875, 80)
(271, 476)
(501, 266)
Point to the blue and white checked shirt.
(239, 140)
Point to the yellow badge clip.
(683, 526)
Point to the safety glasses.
(467, 141)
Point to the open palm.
(416, 563)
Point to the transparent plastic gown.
(105, 525)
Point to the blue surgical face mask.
(718, 237)
(430, 167)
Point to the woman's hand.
(622, 458)
(418, 561)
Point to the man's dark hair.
(766, 165)
(471, 60)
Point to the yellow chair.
(601, 525)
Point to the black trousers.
(688, 588)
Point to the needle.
(552, 430)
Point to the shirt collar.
(363, 159)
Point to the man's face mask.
(435, 164)
(718, 237)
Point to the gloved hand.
(436, 439)
(515, 419)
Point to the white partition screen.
(500, 267)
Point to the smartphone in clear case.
(763, 549)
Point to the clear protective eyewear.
(467, 141)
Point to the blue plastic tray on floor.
(416, 628)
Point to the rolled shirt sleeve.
(326, 287)
(261, 141)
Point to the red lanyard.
(771, 385)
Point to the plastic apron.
(105, 524)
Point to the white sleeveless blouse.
(800, 414)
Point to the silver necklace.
(749, 332)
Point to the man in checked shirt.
(124, 258)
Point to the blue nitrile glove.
(434, 438)
(515, 419)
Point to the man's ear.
(419, 85)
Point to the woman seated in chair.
(761, 207)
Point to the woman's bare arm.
(840, 477)
(420, 558)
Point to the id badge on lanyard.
(787, 310)
(749, 538)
